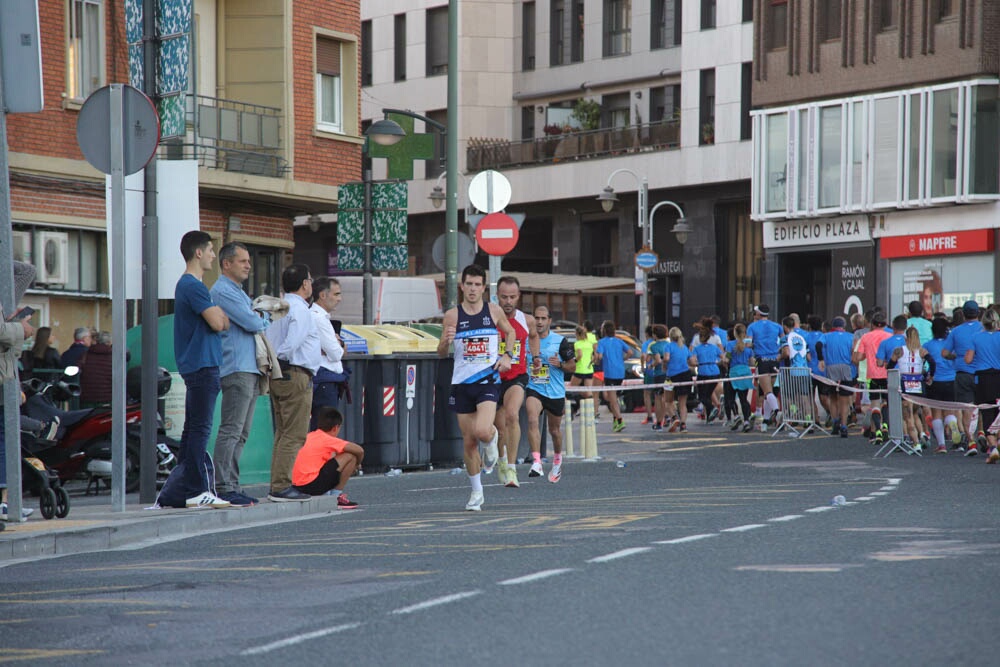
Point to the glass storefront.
(941, 283)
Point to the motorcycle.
(80, 447)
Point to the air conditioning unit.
(52, 258)
(22, 246)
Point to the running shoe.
(981, 441)
(736, 425)
(502, 472)
(879, 438)
(619, 426)
(475, 503)
(646, 420)
(843, 431)
(345, 503)
(712, 415)
(490, 453)
(674, 426)
(657, 427)
(556, 473)
(941, 449)
(956, 437)
(536, 470)
(512, 478)
(993, 456)
(683, 428)
(748, 425)
(972, 450)
(25, 512)
(209, 500)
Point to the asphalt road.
(706, 550)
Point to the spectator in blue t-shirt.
(611, 353)
(198, 352)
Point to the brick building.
(272, 114)
(876, 136)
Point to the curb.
(131, 528)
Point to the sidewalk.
(93, 526)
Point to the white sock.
(938, 427)
(476, 482)
(972, 424)
(770, 405)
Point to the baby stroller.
(53, 500)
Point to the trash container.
(446, 445)
(417, 354)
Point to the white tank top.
(911, 371)
(477, 344)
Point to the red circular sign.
(497, 234)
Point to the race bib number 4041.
(476, 350)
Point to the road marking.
(624, 553)
(298, 639)
(434, 602)
(894, 480)
(878, 493)
(689, 538)
(888, 488)
(743, 529)
(864, 498)
(537, 576)
(787, 517)
(821, 508)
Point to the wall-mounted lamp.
(315, 222)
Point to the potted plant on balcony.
(708, 133)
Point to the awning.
(562, 283)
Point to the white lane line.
(689, 538)
(743, 529)
(624, 553)
(434, 602)
(298, 639)
(864, 498)
(528, 578)
(894, 480)
(878, 493)
(787, 517)
(888, 488)
(821, 508)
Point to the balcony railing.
(487, 153)
(232, 136)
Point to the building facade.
(559, 95)
(876, 169)
(272, 120)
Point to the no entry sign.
(497, 234)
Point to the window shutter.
(328, 57)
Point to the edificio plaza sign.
(822, 231)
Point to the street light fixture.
(607, 199)
(385, 132)
(681, 229)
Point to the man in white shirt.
(326, 383)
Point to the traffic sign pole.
(116, 133)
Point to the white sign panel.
(177, 210)
(823, 231)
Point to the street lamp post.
(645, 221)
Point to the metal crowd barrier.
(895, 399)
(797, 406)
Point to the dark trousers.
(325, 394)
(199, 408)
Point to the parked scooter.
(82, 447)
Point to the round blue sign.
(646, 259)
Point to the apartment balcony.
(231, 136)
(491, 153)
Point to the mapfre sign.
(944, 243)
(792, 233)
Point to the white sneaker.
(490, 453)
(25, 512)
(536, 470)
(556, 473)
(512, 478)
(209, 500)
(475, 503)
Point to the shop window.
(776, 25)
(399, 47)
(437, 41)
(617, 27)
(665, 26)
(85, 48)
(941, 283)
(366, 53)
(528, 36)
(830, 15)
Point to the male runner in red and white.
(475, 327)
(513, 382)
